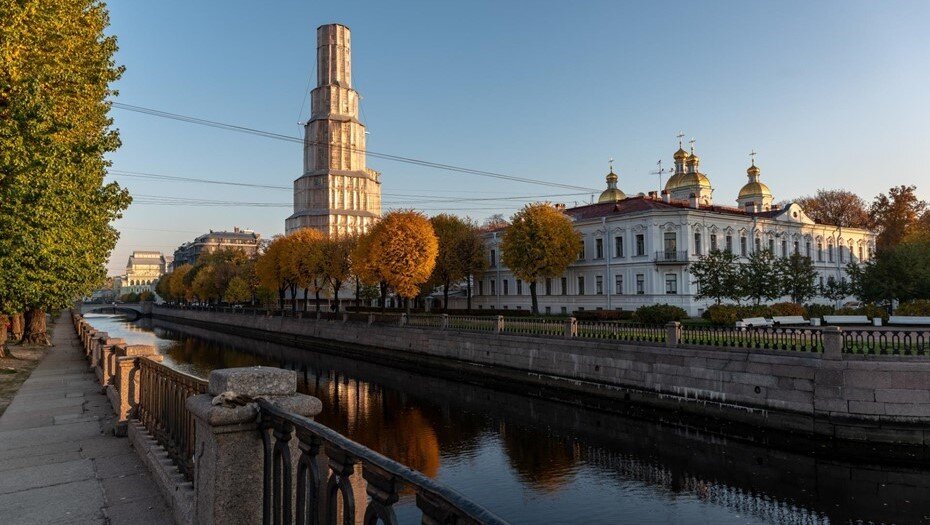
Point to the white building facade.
(637, 250)
(142, 272)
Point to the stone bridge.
(132, 311)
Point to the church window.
(493, 287)
(784, 248)
(807, 249)
(548, 286)
(860, 253)
(797, 247)
(742, 246)
(506, 287)
(493, 258)
(758, 247)
(830, 252)
(839, 248)
(697, 243)
(729, 243)
(772, 246)
(581, 252)
(598, 248)
(519, 286)
(713, 242)
(481, 287)
(819, 252)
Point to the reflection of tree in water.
(201, 357)
(544, 462)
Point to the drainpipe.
(609, 255)
(497, 269)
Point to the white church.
(637, 249)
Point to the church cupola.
(755, 196)
(688, 180)
(612, 193)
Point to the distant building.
(142, 272)
(245, 240)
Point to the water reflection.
(536, 461)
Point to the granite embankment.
(875, 398)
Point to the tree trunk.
(35, 328)
(533, 294)
(293, 300)
(3, 321)
(358, 292)
(18, 327)
(445, 297)
(469, 293)
(383, 286)
(317, 293)
(306, 292)
(407, 305)
(336, 286)
(281, 298)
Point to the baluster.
(383, 488)
(308, 478)
(341, 466)
(281, 472)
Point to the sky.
(830, 94)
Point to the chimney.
(560, 206)
(666, 196)
(653, 195)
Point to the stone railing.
(219, 449)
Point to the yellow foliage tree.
(337, 261)
(176, 286)
(365, 268)
(402, 251)
(273, 270)
(540, 242)
(305, 259)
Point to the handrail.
(163, 411)
(384, 476)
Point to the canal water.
(532, 460)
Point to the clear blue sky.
(830, 95)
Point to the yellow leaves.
(401, 250)
(540, 242)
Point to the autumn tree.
(896, 215)
(56, 66)
(716, 276)
(238, 291)
(540, 242)
(836, 207)
(337, 262)
(402, 251)
(450, 265)
(305, 258)
(473, 254)
(176, 283)
(273, 269)
(367, 269)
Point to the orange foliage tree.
(402, 251)
(273, 270)
(305, 260)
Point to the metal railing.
(473, 322)
(534, 326)
(886, 342)
(634, 332)
(433, 321)
(163, 410)
(671, 257)
(385, 479)
(764, 338)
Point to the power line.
(385, 156)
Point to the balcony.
(672, 257)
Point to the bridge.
(132, 311)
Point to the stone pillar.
(673, 335)
(124, 392)
(229, 456)
(500, 324)
(88, 338)
(571, 327)
(403, 320)
(445, 321)
(371, 319)
(147, 308)
(832, 343)
(95, 346)
(345, 317)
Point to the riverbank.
(17, 368)
(59, 462)
(825, 395)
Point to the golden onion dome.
(753, 170)
(693, 158)
(612, 177)
(755, 189)
(691, 180)
(681, 154)
(611, 195)
(673, 182)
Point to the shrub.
(146, 296)
(722, 314)
(917, 307)
(817, 311)
(868, 310)
(659, 314)
(788, 309)
(760, 310)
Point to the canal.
(533, 460)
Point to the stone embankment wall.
(860, 397)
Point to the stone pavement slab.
(59, 461)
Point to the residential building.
(246, 241)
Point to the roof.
(643, 203)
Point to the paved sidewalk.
(59, 463)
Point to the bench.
(789, 319)
(846, 319)
(753, 321)
(909, 320)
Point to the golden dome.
(673, 182)
(611, 195)
(681, 154)
(612, 177)
(753, 170)
(755, 189)
(694, 179)
(693, 158)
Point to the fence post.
(832, 343)
(345, 317)
(229, 463)
(124, 392)
(445, 321)
(500, 324)
(673, 334)
(403, 319)
(371, 319)
(571, 327)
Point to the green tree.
(836, 207)
(450, 265)
(474, 255)
(238, 291)
(716, 276)
(56, 65)
(899, 273)
(540, 242)
(797, 277)
(337, 262)
(759, 277)
(834, 289)
(896, 215)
